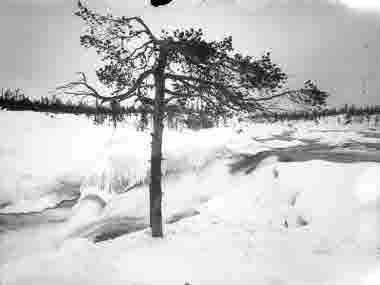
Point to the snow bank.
(368, 184)
(86, 211)
(286, 223)
(372, 277)
(120, 168)
(239, 237)
(181, 193)
(125, 162)
(40, 154)
(329, 198)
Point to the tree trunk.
(155, 189)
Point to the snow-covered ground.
(310, 222)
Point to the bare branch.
(282, 94)
(145, 46)
(88, 90)
(194, 79)
(82, 83)
(132, 89)
(148, 31)
(125, 20)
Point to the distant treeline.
(15, 100)
(314, 115)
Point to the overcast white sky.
(336, 43)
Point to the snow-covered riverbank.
(265, 228)
(295, 219)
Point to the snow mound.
(275, 197)
(372, 278)
(87, 210)
(368, 184)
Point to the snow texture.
(312, 222)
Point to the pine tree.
(172, 71)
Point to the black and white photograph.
(190, 142)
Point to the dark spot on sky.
(157, 3)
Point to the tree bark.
(155, 189)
